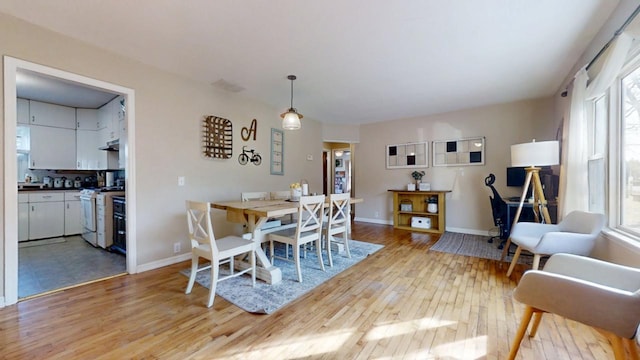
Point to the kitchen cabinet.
(87, 119)
(23, 217)
(72, 213)
(45, 114)
(88, 156)
(109, 120)
(23, 111)
(52, 148)
(46, 215)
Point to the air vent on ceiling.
(227, 86)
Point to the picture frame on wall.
(459, 152)
(407, 156)
(276, 166)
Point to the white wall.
(468, 207)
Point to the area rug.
(265, 298)
(474, 245)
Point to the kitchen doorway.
(12, 67)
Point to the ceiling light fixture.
(291, 118)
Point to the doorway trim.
(10, 259)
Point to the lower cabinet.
(72, 213)
(46, 215)
(23, 217)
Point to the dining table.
(254, 214)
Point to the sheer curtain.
(575, 150)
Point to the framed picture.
(410, 155)
(457, 152)
(277, 152)
(339, 164)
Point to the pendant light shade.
(291, 118)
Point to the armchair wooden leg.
(524, 323)
(632, 348)
(505, 249)
(536, 322)
(536, 262)
(514, 261)
(618, 347)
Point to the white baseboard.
(163, 262)
(2, 302)
(374, 221)
(468, 231)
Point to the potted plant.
(417, 176)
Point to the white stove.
(97, 215)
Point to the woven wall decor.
(217, 137)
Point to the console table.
(410, 210)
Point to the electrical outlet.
(180, 180)
(176, 248)
(309, 157)
(377, 214)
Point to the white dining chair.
(337, 223)
(218, 251)
(308, 229)
(254, 195)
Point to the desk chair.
(499, 211)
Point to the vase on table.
(296, 193)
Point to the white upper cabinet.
(23, 111)
(87, 119)
(44, 114)
(109, 119)
(52, 148)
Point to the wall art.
(457, 152)
(409, 155)
(217, 137)
(277, 152)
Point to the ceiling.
(356, 61)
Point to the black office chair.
(499, 209)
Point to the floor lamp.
(532, 156)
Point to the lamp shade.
(541, 153)
(291, 120)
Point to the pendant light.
(291, 118)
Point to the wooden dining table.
(254, 214)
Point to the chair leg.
(296, 255)
(514, 261)
(327, 238)
(192, 277)
(319, 252)
(505, 249)
(346, 244)
(618, 347)
(253, 268)
(536, 262)
(632, 348)
(215, 269)
(271, 251)
(524, 323)
(537, 316)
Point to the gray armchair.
(590, 291)
(575, 234)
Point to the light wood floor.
(402, 302)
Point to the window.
(597, 116)
(629, 147)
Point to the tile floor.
(61, 262)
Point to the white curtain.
(574, 187)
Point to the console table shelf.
(411, 206)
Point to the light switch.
(180, 180)
(309, 157)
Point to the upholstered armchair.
(593, 292)
(575, 234)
